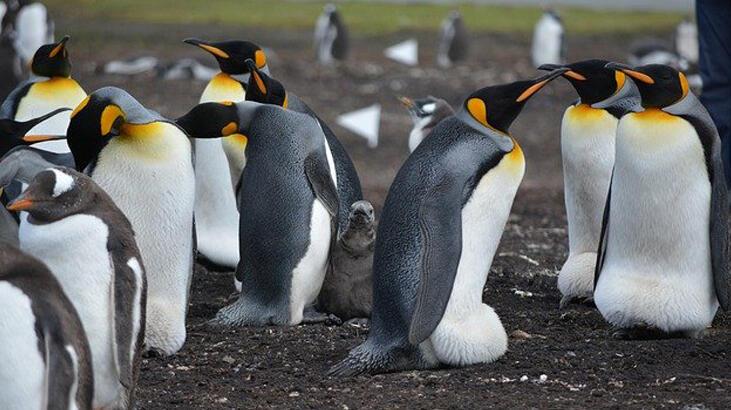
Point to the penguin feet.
(643, 331)
(312, 316)
(567, 300)
(358, 322)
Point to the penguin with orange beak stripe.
(662, 267)
(215, 173)
(15, 133)
(587, 151)
(441, 225)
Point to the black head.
(496, 107)
(232, 55)
(211, 120)
(52, 60)
(56, 193)
(593, 81)
(13, 133)
(660, 85)
(361, 213)
(264, 89)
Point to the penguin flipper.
(128, 288)
(322, 185)
(22, 164)
(602, 249)
(441, 230)
(61, 367)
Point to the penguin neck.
(223, 87)
(155, 140)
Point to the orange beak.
(21, 204)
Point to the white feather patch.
(64, 182)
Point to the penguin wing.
(441, 230)
(322, 184)
(61, 368)
(602, 249)
(128, 290)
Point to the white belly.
(22, 374)
(587, 150)
(470, 331)
(75, 250)
(658, 268)
(308, 275)
(547, 38)
(156, 194)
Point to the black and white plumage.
(30, 26)
(549, 44)
(331, 36)
(426, 114)
(453, 41)
(686, 40)
(653, 51)
(45, 355)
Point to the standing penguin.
(53, 89)
(266, 90)
(144, 162)
(46, 361)
(588, 131)
(331, 37)
(549, 45)
(216, 215)
(288, 205)
(426, 114)
(347, 291)
(664, 249)
(453, 41)
(686, 40)
(441, 224)
(33, 27)
(76, 230)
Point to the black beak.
(550, 67)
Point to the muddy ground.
(285, 367)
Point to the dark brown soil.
(285, 367)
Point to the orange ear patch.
(109, 117)
(684, 84)
(229, 129)
(477, 109)
(260, 59)
(620, 78)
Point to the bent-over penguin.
(426, 114)
(663, 252)
(73, 226)
(441, 224)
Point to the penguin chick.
(425, 113)
(347, 291)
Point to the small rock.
(524, 378)
(222, 400)
(520, 334)
(229, 359)
(542, 378)
(294, 394)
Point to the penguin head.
(106, 113)
(361, 213)
(13, 133)
(232, 55)
(52, 60)
(593, 81)
(264, 89)
(54, 194)
(212, 120)
(660, 85)
(496, 107)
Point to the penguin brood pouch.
(288, 209)
(441, 224)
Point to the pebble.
(542, 378)
(524, 378)
(520, 334)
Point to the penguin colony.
(96, 258)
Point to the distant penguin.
(288, 205)
(74, 227)
(331, 37)
(652, 51)
(426, 113)
(436, 240)
(453, 41)
(46, 361)
(218, 163)
(686, 40)
(347, 291)
(266, 90)
(9, 61)
(52, 89)
(549, 44)
(33, 28)
(664, 247)
(144, 163)
(588, 131)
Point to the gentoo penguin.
(663, 252)
(216, 215)
(426, 114)
(331, 36)
(33, 28)
(52, 89)
(288, 205)
(549, 45)
(46, 362)
(144, 163)
(453, 41)
(436, 240)
(347, 291)
(652, 51)
(74, 227)
(266, 90)
(686, 40)
(587, 151)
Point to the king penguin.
(588, 131)
(289, 208)
(215, 205)
(663, 252)
(331, 38)
(73, 226)
(43, 347)
(144, 162)
(53, 88)
(441, 224)
(15, 133)
(549, 45)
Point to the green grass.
(362, 17)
